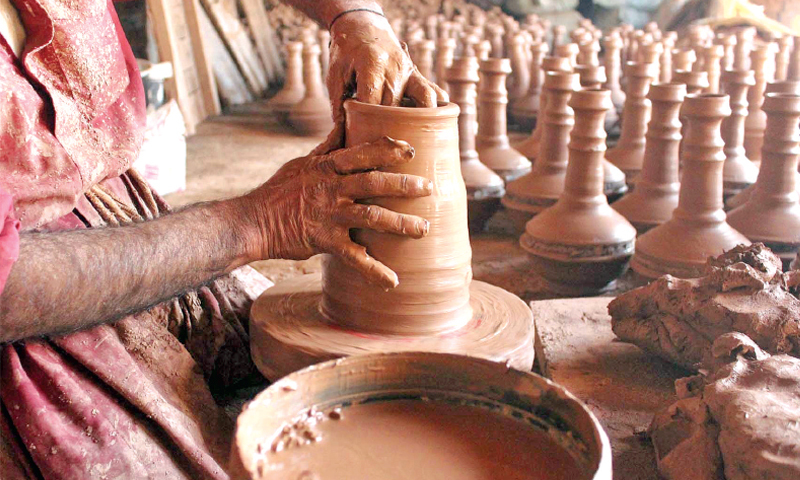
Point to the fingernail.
(410, 152)
(426, 227)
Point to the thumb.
(334, 141)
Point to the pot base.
(288, 332)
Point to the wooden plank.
(262, 34)
(232, 87)
(623, 386)
(202, 57)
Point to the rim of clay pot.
(669, 91)
(555, 63)
(781, 102)
(562, 80)
(496, 65)
(740, 76)
(440, 377)
(638, 69)
(691, 78)
(567, 49)
(710, 105)
(592, 99)
(294, 46)
(443, 109)
(783, 86)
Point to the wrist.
(246, 226)
(355, 18)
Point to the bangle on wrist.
(370, 10)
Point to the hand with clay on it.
(309, 205)
(367, 59)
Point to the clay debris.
(739, 422)
(744, 290)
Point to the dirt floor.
(234, 153)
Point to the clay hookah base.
(482, 203)
(288, 332)
(615, 183)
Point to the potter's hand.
(309, 206)
(368, 59)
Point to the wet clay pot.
(791, 87)
(772, 213)
(484, 187)
(569, 51)
(656, 194)
(613, 46)
(445, 52)
(697, 229)
(530, 145)
(682, 60)
(524, 110)
(312, 115)
(763, 67)
(650, 53)
(738, 172)
(532, 193)
(436, 306)
(695, 82)
(491, 142)
(628, 154)
(581, 245)
(293, 88)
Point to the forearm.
(324, 11)
(72, 280)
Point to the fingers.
(420, 90)
(356, 257)
(441, 95)
(385, 152)
(382, 220)
(369, 85)
(334, 141)
(381, 184)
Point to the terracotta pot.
(484, 187)
(650, 53)
(580, 245)
(524, 110)
(738, 172)
(293, 89)
(613, 46)
(530, 146)
(495, 35)
(558, 36)
(787, 86)
(793, 71)
(665, 75)
(594, 77)
(656, 194)
(445, 52)
(728, 42)
(785, 44)
(423, 57)
(532, 193)
(312, 115)
(763, 68)
(491, 142)
(772, 213)
(589, 50)
(519, 80)
(570, 51)
(628, 154)
(695, 82)
(697, 229)
(682, 60)
(744, 45)
(712, 55)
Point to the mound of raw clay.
(743, 290)
(738, 423)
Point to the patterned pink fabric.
(9, 237)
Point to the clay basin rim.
(444, 109)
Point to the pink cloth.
(130, 399)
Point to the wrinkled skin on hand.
(310, 204)
(743, 291)
(739, 422)
(367, 59)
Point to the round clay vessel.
(785, 44)
(524, 110)
(570, 51)
(613, 46)
(484, 187)
(763, 65)
(628, 154)
(656, 194)
(491, 142)
(772, 213)
(565, 437)
(445, 52)
(312, 115)
(793, 70)
(581, 245)
(738, 172)
(697, 229)
(695, 82)
(519, 80)
(293, 89)
(682, 60)
(532, 193)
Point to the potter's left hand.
(368, 59)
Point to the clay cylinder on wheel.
(434, 272)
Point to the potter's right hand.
(309, 205)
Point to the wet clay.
(763, 66)
(697, 228)
(772, 213)
(738, 172)
(580, 245)
(628, 154)
(293, 89)
(407, 439)
(656, 194)
(312, 115)
(491, 142)
(532, 193)
(484, 187)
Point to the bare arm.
(71, 280)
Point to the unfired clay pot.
(738, 172)
(519, 79)
(697, 229)
(772, 213)
(436, 306)
(312, 115)
(524, 110)
(785, 44)
(484, 187)
(763, 68)
(682, 60)
(650, 53)
(570, 51)
(532, 193)
(613, 45)
(580, 245)
(423, 57)
(293, 88)
(713, 56)
(491, 142)
(628, 154)
(445, 52)
(656, 194)
(793, 71)
(665, 75)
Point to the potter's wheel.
(288, 332)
